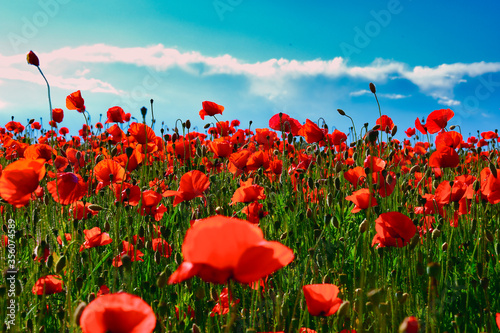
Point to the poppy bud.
(394, 130)
(343, 310)
(144, 111)
(78, 312)
(363, 226)
(444, 247)
(61, 263)
(341, 112)
(32, 59)
(196, 329)
(436, 233)
(162, 280)
(493, 170)
(188, 124)
(372, 88)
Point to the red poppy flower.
(222, 306)
(127, 193)
(235, 123)
(497, 319)
(57, 115)
(283, 122)
(210, 109)
(142, 133)
(393, 229)
(94, 237)
(438, 120)
(193, 184)
(32, 59)
(149, 205)
(36, 125)
(80, 211)
(355, 176)
(47, 285)
(74, 101)
(410, 132)
(444, 157)
(116, 133)
(221, 147)
(66, 236)
(321, 299)
(161, 246)
(19, 179)
(120, 312)
(254, 212)
(374, 163)
(311, 132)
(409, 325)
(70, 188)
(265, 137)
(127, 249)
(39, 150)
(103, 290)
(386, 124)
(362, 200)
(220, 248)
(337, 137)
(109, 171)
(248, 192)
(116, 115)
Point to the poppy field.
(128, 227)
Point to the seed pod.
(343, 310)
(363, 226)
(444, 247)
(78, 313)
(162, 280)
(61, 263)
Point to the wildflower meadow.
(289, 228)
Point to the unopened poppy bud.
(415, 168)
(372, 88)
(444, 247)
(376, 127)
(78, 313)
(188, 124)
(436, 233)
(162, 280)
(394, 130)
(91, 297)
(144, 111)
(493, 170)
(96, 208)
(32, 59)
(452, 127)
(341, 112)
(344, 309)
(61, 263)
(363, 226)
(195, 329)
(126, 261)
(489, 236)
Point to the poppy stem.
(50, 100)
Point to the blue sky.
(256, 58)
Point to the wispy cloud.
(270, 78)
(388, 96)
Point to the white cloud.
(388, 96)
(2, 104)
(448, 102)
(270, 78)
